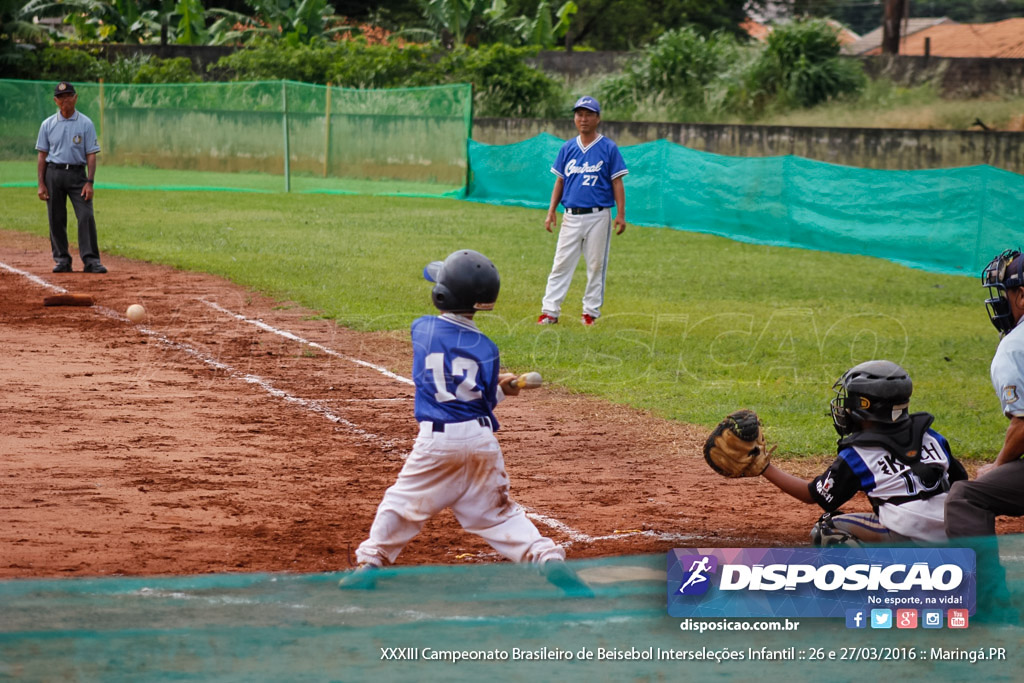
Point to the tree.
(626, 24)
(298, 22)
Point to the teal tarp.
(947, 221)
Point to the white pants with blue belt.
(461, 468)
(588, 234)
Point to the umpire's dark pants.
(972, 506)
(63, 183)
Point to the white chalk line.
(586, 538)
(38, 280)
(312, 405)
(294, 337)
(318, 406)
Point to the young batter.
(456, 461)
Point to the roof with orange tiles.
(759, 31)
(870, 43)
(1000, 39)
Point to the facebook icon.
(855, 618)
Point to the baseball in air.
(136, 313)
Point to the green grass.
(694, 326)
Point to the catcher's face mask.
(999, 277)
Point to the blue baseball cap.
(587, 102)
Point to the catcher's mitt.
(735, 447)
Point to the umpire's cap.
(64, 88)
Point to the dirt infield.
(208, 440)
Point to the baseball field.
(253, 420)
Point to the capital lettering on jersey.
(572, 169)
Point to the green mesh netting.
(285, 627)
(948, 220)
(269, 136)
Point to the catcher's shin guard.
(824, 534)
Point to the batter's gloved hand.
(736, 448)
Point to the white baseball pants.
(461, 468)
(587, 234)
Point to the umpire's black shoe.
(62, 268)
(93, 268)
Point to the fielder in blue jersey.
(589, 170)
(456, 461)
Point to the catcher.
(903, 465)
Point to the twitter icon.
(881, 618)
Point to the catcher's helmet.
(464, 282)
(878, 390)
(1002, 273)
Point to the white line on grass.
(294, 337)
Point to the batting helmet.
(464, 282)
(878, 390)
(1002, 273)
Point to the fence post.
(469, 139)
(103, 127)
(327, 132)
(287, 153)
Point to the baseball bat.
(68, 300)
(529, 380)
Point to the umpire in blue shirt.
(66, 168)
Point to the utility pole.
(896, 11)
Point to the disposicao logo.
(818, 582)
(697, 580)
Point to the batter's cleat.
(362, 578)
(546, 319)
(587, 320)
(559, 574)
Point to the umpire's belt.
(66, 167)
(589, 209)
(482, 421)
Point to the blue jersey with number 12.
(455, 368)
(588, 172)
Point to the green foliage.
(60, 63)
(688, 74)
(629, 24)
(800, 66)
(174, 70)
(296, 23)
(504, 84)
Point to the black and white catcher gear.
(877, 391)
